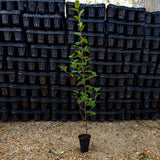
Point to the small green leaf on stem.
(77, 17)
(97, 89)
(64, 68)
(91, 113)
(80, 13)
(74, 9)
(77, 33)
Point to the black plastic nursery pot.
(84, 140)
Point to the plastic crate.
(47, 22)
(10, 18)
(51, 7)
(51, 36)
(10, 5)
(116, 80)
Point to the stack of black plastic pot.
(11, 46)
(148, 81)
(45, 35)
(36, 38)
(125, 34)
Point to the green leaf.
(97, 95)
(78, 43)
(61, 127)
(80, 13)
(77, 4)
(74, 9)
(63, 68)
(94, 74)
(80, 101)
(80, 83)
(77, 33)
(71, 55)
(74, 71)
(81, 27)
(89, 91)
(97, 89)
(91, 113)
(76, 17)
(84, 40)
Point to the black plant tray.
(138, 92)
(142, 114)
(7, 76)
(125, 13)
(11, 5)
(10, 18)
(94, 39)
(111, 114)
(132, 42)
(152, 29)
(16, 102)
(152, 43)
(116, 79)
(150, 56)
(11, 34)
(91, 10)
(13, 49)
(49, 51)
(98, 53)
(120, 103)
(42, 78)
(46, 37)
(125, 28)
(112, 92)
(47, 22)
(148, 80)
(62, 92)
(91, 25)
(106, 67)
(138, 67)
(55, 63)
(46, 6)
(24, 115)
(20, 63)
(123, 55)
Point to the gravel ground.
(109, 141)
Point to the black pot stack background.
(36, 37)
(12, 47)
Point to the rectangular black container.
(47, 7)
(46, 37)
(10, 18)
(91, 10)
(14, 49)
(116, 80)
(148, 18)
(150, 56)
(12, 5)
(156, 16)
(12, 34)
(47, 22)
